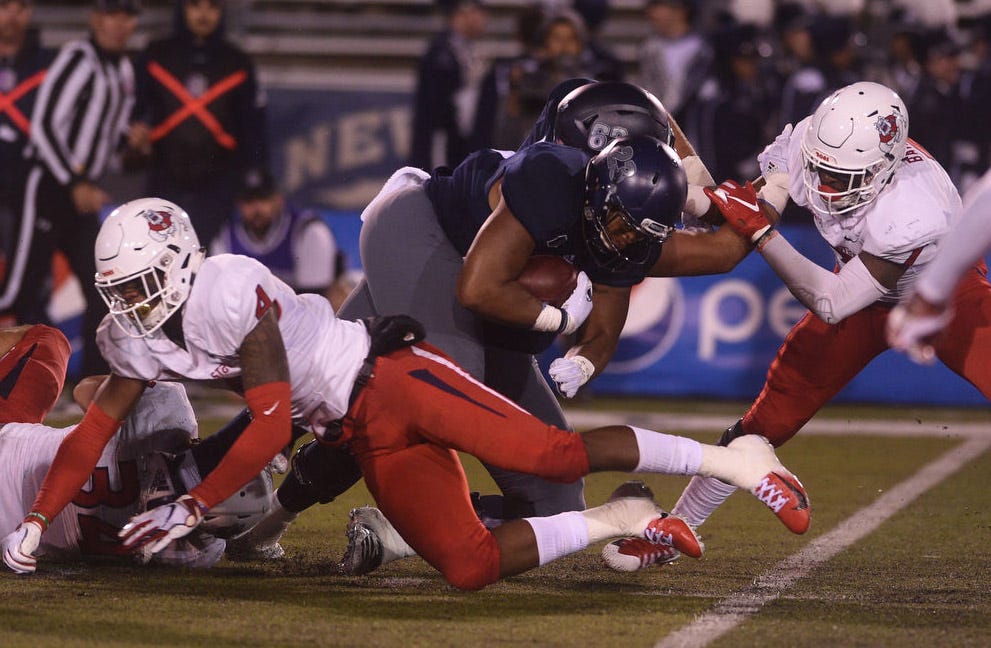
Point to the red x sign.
(8, 102)
(195, 105)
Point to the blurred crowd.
(188, 113)
(733, 73)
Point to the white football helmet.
(855, 141)
(146, 256)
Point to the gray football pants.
(411, 267)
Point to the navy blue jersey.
(543, 186)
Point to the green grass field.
(920, 579)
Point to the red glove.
(741, 209)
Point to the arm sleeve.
(75, 460)
(960, 249)
(830, 296)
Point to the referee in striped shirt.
(79, 121)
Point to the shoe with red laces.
(762, 474)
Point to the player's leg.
(964, 345)
(516, 375)
(815, 361)
(32, 373)
(412, 268)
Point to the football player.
(401, 406)
(446, 248)
(915, 324)
(148, 461)
(884, 205)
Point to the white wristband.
(697, 203)
(550, 320)
(775, 191)
(696, 172)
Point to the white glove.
(578, 305)
(774, 157)
(571, 373)
(911, 330)
(161, 525)
(19, 546)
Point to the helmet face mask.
(854, 143)
(146, 256)
(634, 192)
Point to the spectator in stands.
(447, 87)
(23, 62)
(200, 115)
(733, 110)
(834, 66)
(676, 58)
(559, 53)
(296, 245)
(604, 64)
(937, 98)
(78, 122)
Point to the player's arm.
(597, 340)
(265, 376)
(830, 296)
(689, 253)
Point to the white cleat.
(261, 542)
(372, 542)
(632, 554)
(760, 472)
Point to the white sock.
(701, 497)
(667, 454)
(559, 535)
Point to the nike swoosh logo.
(272, 408)
(751, 206)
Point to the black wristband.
(763, 238)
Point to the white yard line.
(736, 608)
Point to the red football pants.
(404, 430)
(817, 359)
(32, 374)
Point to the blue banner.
(715, 336)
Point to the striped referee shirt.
(82, 111)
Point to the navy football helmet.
(595, 114)
(635, 190)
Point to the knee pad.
(319, 474)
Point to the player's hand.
(913, 326)
(741, 208)
(88, 198)
(578, 305)
(20, 545)
(158, 527)
(571, 373)
(774, 157)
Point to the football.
(549, 278)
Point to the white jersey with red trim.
(162, 421)
(230, 293)
(904, 224)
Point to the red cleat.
(674, 532)
(632, 554)
(784, 494)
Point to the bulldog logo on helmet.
(160, 224)
(889, 130)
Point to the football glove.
(741, 208)
(912, 327)
(571, 373)
(20, 545)
(578, 305)
(774, 157)
(157, 527)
